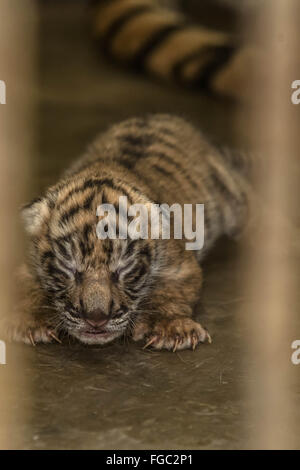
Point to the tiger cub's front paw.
(28, 331)
(171, 334)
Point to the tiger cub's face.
(95, 286)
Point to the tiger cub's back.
(165, 157)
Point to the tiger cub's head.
(95, 286)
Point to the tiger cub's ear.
(34, 214)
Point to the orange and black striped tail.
(164, 43)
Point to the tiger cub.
(96, 289)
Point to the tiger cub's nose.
(96, 318)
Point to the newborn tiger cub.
(96, 289)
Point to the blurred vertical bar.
(271, 263)
(17, 51)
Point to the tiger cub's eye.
(115, 276)
(118, 314)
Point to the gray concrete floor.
(120, 396)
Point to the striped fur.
(164, 43)
(147, 288)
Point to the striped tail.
(162, 43)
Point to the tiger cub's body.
(101, 289)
